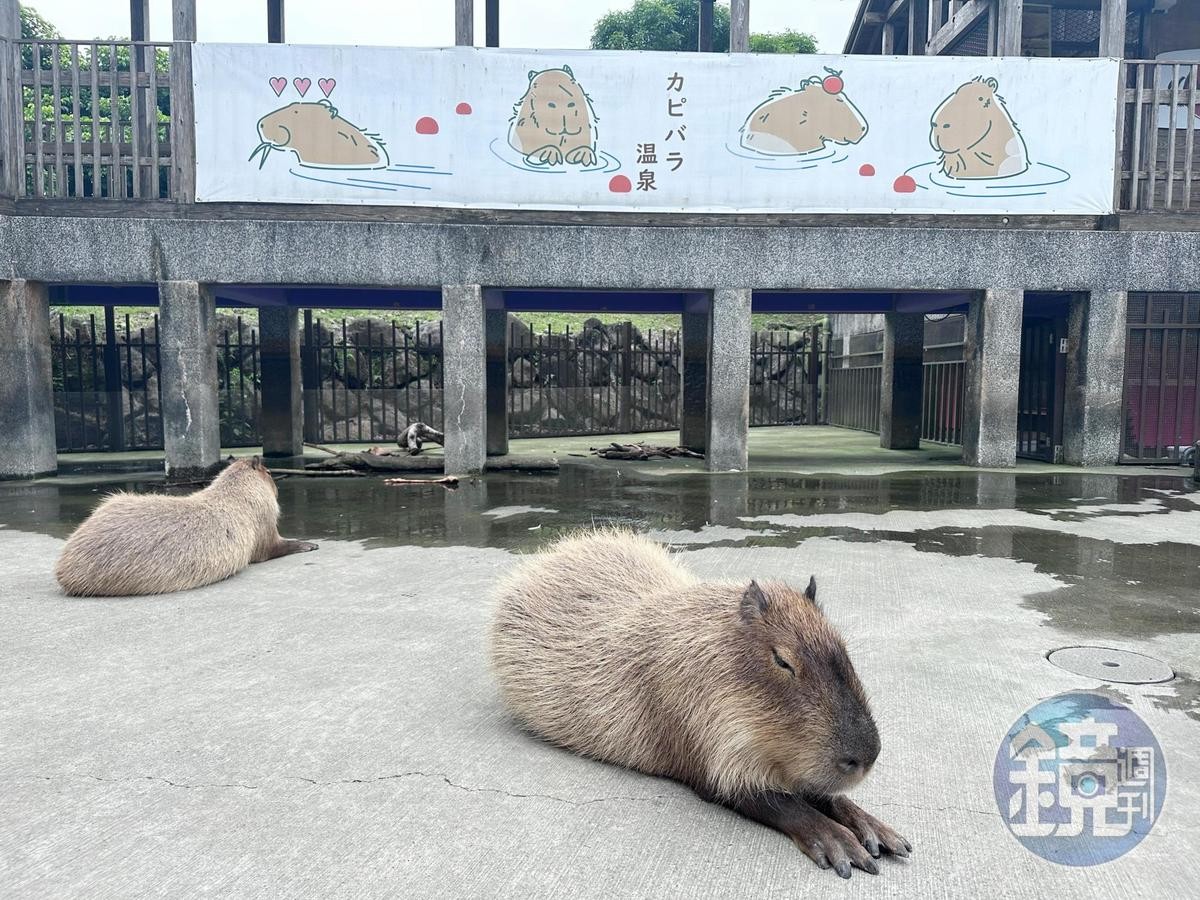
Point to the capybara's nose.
(848, 765)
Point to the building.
(1054, 307)
(1160, 40)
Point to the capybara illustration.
(553, 122)
(975, 134)
(319, 137)
(799, 120)
(136, 544)
(605, 645)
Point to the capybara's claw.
(305, 546)
(873, 834)
(832, 845)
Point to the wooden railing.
(96, 120)
(1158, 129)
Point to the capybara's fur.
(553, 122)
(607, 646)
(154, 543)
(802, 120)
(975, 135)
(319, 137)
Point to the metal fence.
(1158, 128)
(1162, 359)
(96, 119)
(785, 369)
(853, 396)
(942, 401)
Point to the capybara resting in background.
(154, 544)
(606, 646)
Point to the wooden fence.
(1158, 128)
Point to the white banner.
(665, 132)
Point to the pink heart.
(302, 85)
(326, 85)
(278, 84)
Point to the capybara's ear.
(567, 69)
(810, 592)
(256, 462)
(532, 74)
(754, 602)
(993, 84)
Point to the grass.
(144, 315)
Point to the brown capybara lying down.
(154, 544)
(606, 646)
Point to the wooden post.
(183, 20)
(12, 150)
(1008, 30)
(739, 26)
(491, 23)
(142, 105)
(704, 44)
(1113, 15)
(183, 123)
(888, 41)
(275, 17)
(464, 23)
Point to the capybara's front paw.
(582, 156)
(873, 834)
(304, 546)
(831, 845)
(546, 156)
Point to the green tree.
(35, 28)
(782, 42)
(675, 25)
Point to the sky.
(546, 24)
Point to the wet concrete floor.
(1063, 558)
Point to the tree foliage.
(36, 28)
(675, 25)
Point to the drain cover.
(1109, 664)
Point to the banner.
(654, 132)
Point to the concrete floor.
(325, 724)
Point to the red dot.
(620, 184)
(463, 109)
(427, 125)
(866, 169)
(905, 185)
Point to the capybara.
(802, 120)
(975, 135)
(154, 544)
(319, 137)
(553, 122)
(606, 646)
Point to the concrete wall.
(704, 258)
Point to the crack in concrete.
(939, 809)
(482, 790)
(159, 778)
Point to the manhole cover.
(1109, 664)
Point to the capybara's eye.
(781, 662)
(552, 105)
(571, 104)
(945, 124)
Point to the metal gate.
(1162, 355)
(1040, 390)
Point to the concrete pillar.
(463, 378)
(1092, 419)
(27, 447)
(729, 380)
(281, 416)
(188, 376)
(739, 26)
(1113, 17)
(900, 391)
(495, 326)
(693, 412)
(993, 362)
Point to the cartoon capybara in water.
(606, 646)
(553, 122)
(800, 120)
(153, 544)
(975, 134)
(319, 137)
